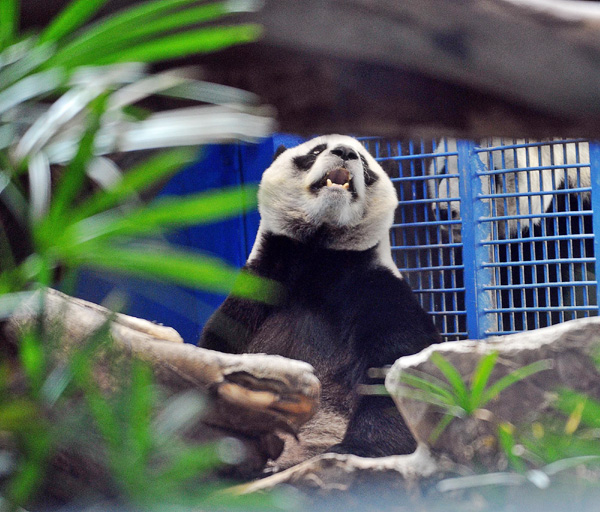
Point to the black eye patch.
(370, 176)
(305, 162)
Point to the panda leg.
(376, 429)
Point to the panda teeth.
(345, 186)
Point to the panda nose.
(345, 153)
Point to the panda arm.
(392, 325)
(232, 326)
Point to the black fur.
(341, 312)
(278, 151)
(370, 176)
(305, 162)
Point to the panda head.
(329, 191)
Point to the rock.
(568, 347)
(336, 472)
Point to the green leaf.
(34, 58)
(440, 427)
(569, 399)
(512, 378)
(430, 378)
(442, 391)
(184, 268)
(454, 378)
(73, 178)
(33, 359)
(191, 462)
(506, 440)
(136, 180)
(103, 415)
(183, 44)
(481, 376)
(30, 87)
(9, 21)
(430, 398)
(164, 213)
(27, 480)
(72, 17)
(140, 401)
(17, 415)
(120, 30)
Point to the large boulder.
(567, 348)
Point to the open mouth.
(338, 178)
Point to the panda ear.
(278, 151)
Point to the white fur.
(534, 180)
(359, 223)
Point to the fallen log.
(253, 397)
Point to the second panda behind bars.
(326, 208)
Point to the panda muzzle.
(339, 176)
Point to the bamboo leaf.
(182, 44)
(191, 462)
(184, 268)
(481, 376)
(443, 392)
(39, 185)
(72, 17)
(512, 378)
(139, 405)
(136, 180)
(164, 213)
(33, 359)
(440, 427)
(454, 378)
(571, 462)
(73, 178)
(32, 58)
(133, 25)
(10, 302)
(568, 400)
(9, 21)
(30, 87)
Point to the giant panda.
(326, 207)
(528, 179)
(546, 167)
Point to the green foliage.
(135, 431)
(69, 98)
(454, 396)
(9, 16)
(88, 117)
(571, 433)
(544, 454)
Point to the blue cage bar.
(496, 237)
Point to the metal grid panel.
(541, 248)
(496, 237)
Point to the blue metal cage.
(496, 237)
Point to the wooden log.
(254, 397)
